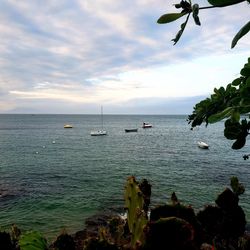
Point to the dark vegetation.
(172, 226)
(230, 103)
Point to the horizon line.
(85, 114)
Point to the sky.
(74, 56)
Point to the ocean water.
(53, 178)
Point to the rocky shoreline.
(101, 219)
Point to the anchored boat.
(202, 145)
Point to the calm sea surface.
(48, 186)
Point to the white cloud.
(51, 50)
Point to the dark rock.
(92, 225)
(227, 200)
(169, 233)
(224, 224)
(248, 228)
(64, 242)
(210, 219)
(5, 241)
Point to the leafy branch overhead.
(187, 8)
(229, 104)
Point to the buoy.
(53, 142)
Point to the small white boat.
(146, 125)
(202, 145)
(68, 126)
(98, 133)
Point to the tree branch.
(223, 5)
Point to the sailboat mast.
(102, 117)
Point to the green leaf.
(32, 241)
(222, 3)
(244, 109)
(237, 81)
(237, 187)
(243, 31)
(245, 71)
(234, 183)
(168, 18)
(239, 143)
(179, 34)
(219, 116)
(232, 129)
(248, 81)
(195, 9)
(235, 116)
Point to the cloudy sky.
(72, 56)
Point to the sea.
(53, 179)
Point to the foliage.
(223, 223)
(187, 8)
(226, 103)
(176, 226)
(145, 188)
(32, 241)
(169, 226)
(236, 186)
(229, 104)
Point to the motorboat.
(68, 126)
(131, 130)
(146, 125)
(98, 133)
(202, 145)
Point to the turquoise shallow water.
(49, 186)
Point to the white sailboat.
(99, 132)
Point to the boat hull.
(98, 133)
(131, 130)
(147, 126)
(203, 145)
(68, 126)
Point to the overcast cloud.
(71, 56)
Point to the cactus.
(136, 216)
(145, 187)
(226, 221)
(236, 186)
(227, 200)
(210, 219)
(32, 241)
(174, 199)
